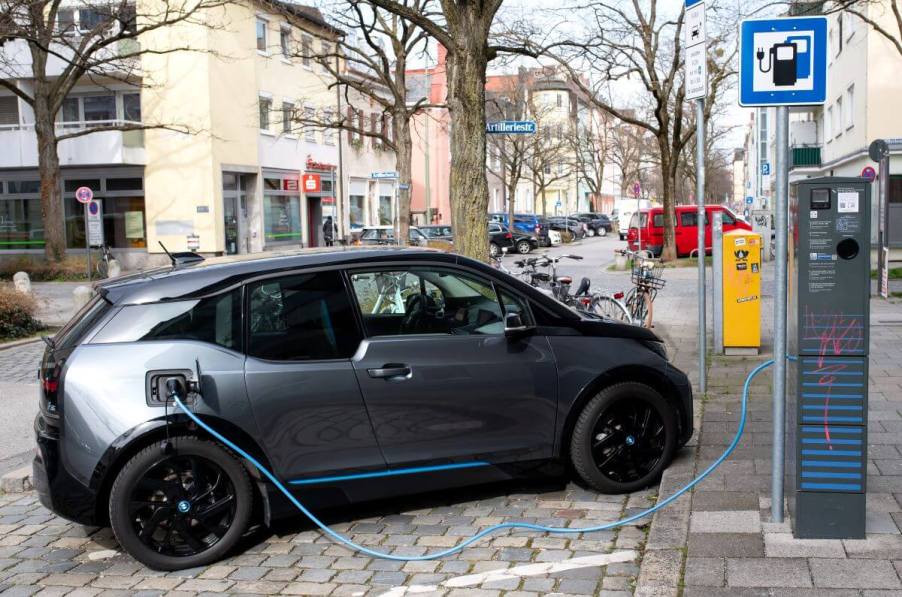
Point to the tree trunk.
(403, 158)
(469, 191)
(510, 183)
(668, 183)
(49, 171)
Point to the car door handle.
(390, 372)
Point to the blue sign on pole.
(511, 127)
(765, 168)
(749, 200)
(691, 3)
(783, 62)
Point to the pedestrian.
(329, 231)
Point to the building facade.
(231, 172)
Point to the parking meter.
(828, 322)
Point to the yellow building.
(232, 171)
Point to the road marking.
(537, 569)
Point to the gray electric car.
(350, 374)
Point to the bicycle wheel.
(611, 308)
(102, 268)
(637, 305)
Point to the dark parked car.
(352, 375)
(530, 224)
(576, 228)
(500, 238)
(598, 224)
(437, 231)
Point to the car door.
(686, 231)
(300, 380)
(446, 384)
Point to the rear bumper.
(57, 490)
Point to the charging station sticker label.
(848, 224)
(847, 203)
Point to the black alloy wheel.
(624, 438)
(180, 508)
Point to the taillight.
(508, 235)
(618, 295)
(50, 386)
(586, 300)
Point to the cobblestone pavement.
(20, 364)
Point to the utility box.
(828, 321)
(741, 256)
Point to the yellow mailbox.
(741, 291)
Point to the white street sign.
(94, 218)
(696, 72)
(694, 26)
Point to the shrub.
(42, 270)
(17, 312)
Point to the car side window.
(658, 220)
(688, 218)
(513, 304)
(301, 317)
(727, 218)
(426, 301)
(215, 319)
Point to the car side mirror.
(514, 326)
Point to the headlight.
(657, 347)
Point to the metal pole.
(700, 200)
(87, 243)
(717, 279)
(882, 256)
(781, 149)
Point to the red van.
(685, 228)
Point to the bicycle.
(647, 281)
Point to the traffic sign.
(783, 62)
(312, 183)
(511, 127)
(94, 222)
(694, 25)
(765, 168)
(749, 200)
(695, 38)
(84, 194)
(869, 174)
(637, 189)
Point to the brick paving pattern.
(20, 364)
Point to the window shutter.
(9, 110)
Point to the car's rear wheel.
(180, 508)
(494, 250)
(523, 247)
(602, 231)
(624, 438)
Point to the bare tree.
(45, 43)
(463, 28)
(629, 151)
(634, 41)
(550, 158)
(510, 102)
(373, 63)
(591, 149)
(873, 13)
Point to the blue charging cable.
(498, 527)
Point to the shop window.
(124, 184)
(272, 184)
(282, 219)
(385, 211)
(71, 185)
(356, 207)
(23, 186)
(124, 223)
(20, 224)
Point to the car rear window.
(215, 320)
(83, 322)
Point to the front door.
(300, 380)
(231, 215)
(440, 380)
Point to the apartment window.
(840, 117)
(261, 35)
(840, 38)
(356, 210)
(850, 107)
(131, 107)
(306, 50)
(89, 18)
(65, 20)
(100, 108)
(828, 125)
(375, 128)
(327, 53)
(560, 100)
(265, 108)
(285, 42)
(328, 132)
(9, 110)
(287, 117)
(309, 129)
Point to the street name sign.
(384, 174)
(783, 62)
(511, 127)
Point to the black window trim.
(351, 269)
(246, 308)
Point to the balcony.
(806, 157)
(19, 146)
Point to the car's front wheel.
(524, 247)
(624, 438)
(183, 507)
(602, 231)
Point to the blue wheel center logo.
(630, 440)
(184, 506)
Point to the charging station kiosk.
(828, 320)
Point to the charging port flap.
(155, 385)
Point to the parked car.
(527, 224)
(385, 235)
(598, 224)
(524, 243)
(576, 228)
(500, 237)
(437, 231)
(341, 372)
(685, 228)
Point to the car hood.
(607, 328)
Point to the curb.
(17, 481)
(18, 343)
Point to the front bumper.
(683, 387)
(58, 490)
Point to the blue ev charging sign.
(783, 62)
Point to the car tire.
(494, 250)
(602, 232)
(610, 428)
(524, 247)
(591, 232)
(215, 516)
